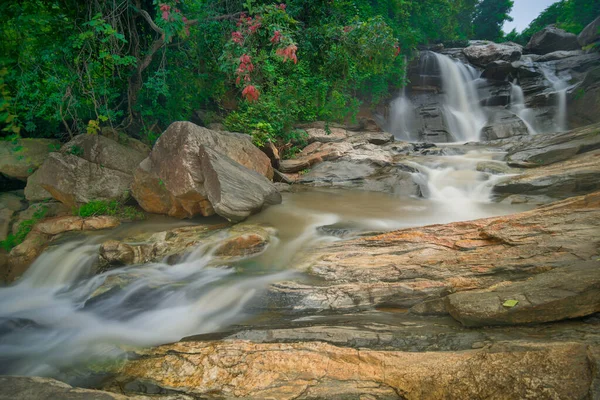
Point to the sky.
(525, 11)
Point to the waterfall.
(402, 114)
(402, 119)
(560, 86)
(463, 113)
(517, 106)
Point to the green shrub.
(112, 208)
(25, 227)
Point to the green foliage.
(570, 15)
(73, 67)
(489, 18)
(75, 150)
(112, 208)
(25, 227)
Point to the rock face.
(89, 167)
(589, 35)
(482, 55)
(576, 176)
(540, 150)
(503, 124)
(193, 170)
(314, 153)
(40, 236)
(552, 296)
(408, 267)
(310, 370)
(26, 388)
(552, 39)
(20, 160)
(584, 102)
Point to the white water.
(463, 113)
(402, 119)
(67, 321)
(455, 184)
(517, 106)
(461, 106)
(560, 86)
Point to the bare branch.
(149, 20)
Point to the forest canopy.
(69, 67)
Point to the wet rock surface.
(26, 388)
(405, 268)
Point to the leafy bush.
(25, 227)
(112, 208)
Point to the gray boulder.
(89, 167)
(482, 55)
(196, 171)
(552, 39)
(20, 160)
(590, 34)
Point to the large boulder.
(482, 55)
(552, 39)
(19, 160)
(590, 34)
(193, 170)
(89, 167)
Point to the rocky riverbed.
(366, 267)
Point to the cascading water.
(463, 112)
(460, 105)
(457, 184)
(560, 86)
(517, 106)
(59, 314)
(402, 118)
(402, 115)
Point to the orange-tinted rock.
(309, 370)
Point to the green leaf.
(510, 303)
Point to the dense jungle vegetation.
(69, 67)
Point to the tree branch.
(149, 20)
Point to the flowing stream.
(62, 315)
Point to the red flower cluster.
(347, 28)
(282, 6)
(276, 37)
(397, 50)
(165, 8)
(237, 37)
(250, 93)
(244, 69)
(288, 53)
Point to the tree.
(489, 18)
